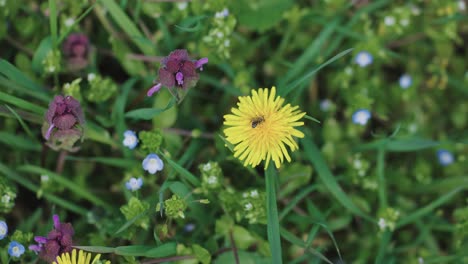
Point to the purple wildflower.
(178, 70)
(58, 241)
(64, 119)
(76, 50)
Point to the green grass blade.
(273, 225)
(21, 121)
(12, 73)
(130, 222)
(308, 55)
(116, 162)
(53, 21)
(32, 187)
(65, 33)
(410, 144)
(185, 25)
(149, 113)
(96, 249)
(21, 103)
(384, 241)
(185, 174)
(296, 241)
(428, 208)
(316, 158)
(128, 27)
(73, 187)
(297, 198)
(382, 186)
(289, 88)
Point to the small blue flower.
(189, 227)
(152, 163)
(361, 117)
(130, 139)
(445, 157)
(325, 105)
(363, 58)
(15, 249)
(3, 229)
(134, 184)
(405, 81)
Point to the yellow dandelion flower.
(261, 127)
(82, 258)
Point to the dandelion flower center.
(261, 128)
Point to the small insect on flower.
(3, 229)
(15, 249)
(256, 121)
(262, 126)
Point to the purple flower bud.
(58, 241)
(63, 123)
(76, 51)
(178, 70)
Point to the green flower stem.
(381, 178)
(273, 228)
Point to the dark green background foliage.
(343, 183)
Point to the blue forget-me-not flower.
(134, 184)
(130, 139)
(15, 249)
(361, 117)
(152, 163)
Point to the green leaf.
(273, 227)
(262, 14)
(202, 254)
(179, 188)
(164, 250)
(244, 258)
(186, 24)
(148, 113)
(316, 158)
(136, 251)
